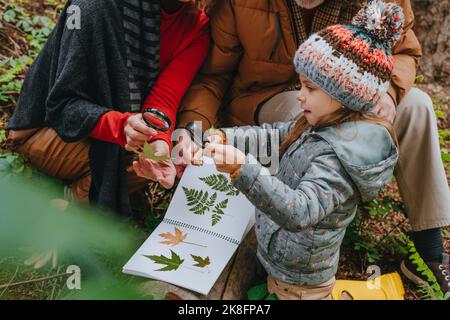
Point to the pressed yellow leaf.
(149, 153)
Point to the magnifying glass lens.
(156, 119)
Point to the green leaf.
(419, 78)
(216, 182)
(220, 183)
(2, 136)
(9, 15)
(271, 296)
(201, 262)
(258, 292)
(149, 153)
(172, 263)
(218, 211)
(445, 157)
(199, 201)
(422, 267)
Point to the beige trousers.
(420, 173)
(285, 291)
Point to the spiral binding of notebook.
(195, 228)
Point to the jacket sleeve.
(324, 187)
(406, 54)
(111, 127)
(203, 99)
(175, 79)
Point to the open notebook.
(206, 221)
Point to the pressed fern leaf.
(217, 182)
(218, 211)
(199, 200)
(232, 191)
(220, 183)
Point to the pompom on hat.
(354, 63)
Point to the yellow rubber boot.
(385, 287)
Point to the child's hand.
(226, 157)
(215, 136)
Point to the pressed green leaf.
(201, 262)
(220, 183)
(172, 263)
(218, 211)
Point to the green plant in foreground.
(431, 288)
(28, 219)
(260, 292)
(361, 237)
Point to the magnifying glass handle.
(196, 134)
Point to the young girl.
(335, 156)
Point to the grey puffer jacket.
(304, 209)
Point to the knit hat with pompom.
(353, 63)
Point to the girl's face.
(315, 102)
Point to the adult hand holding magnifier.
(156, 119)
(141, 127)
(153, 162)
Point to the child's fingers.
(215, 138)
(211, 149)
(208, 150)
(197, 160)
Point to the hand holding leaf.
(149, 152)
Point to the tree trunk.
(432, 27)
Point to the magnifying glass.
(196, 134)
(156, 119)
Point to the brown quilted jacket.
(250, 60)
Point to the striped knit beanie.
(353, 63)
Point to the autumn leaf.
(173, 239)
(149, 153)
(176, 238)
(172, 263)
(201, 262)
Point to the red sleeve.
(165, 96)
(110, 127)
(175, 79)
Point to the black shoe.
(436, 274)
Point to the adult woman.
(79, 110)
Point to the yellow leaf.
(149, 153)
